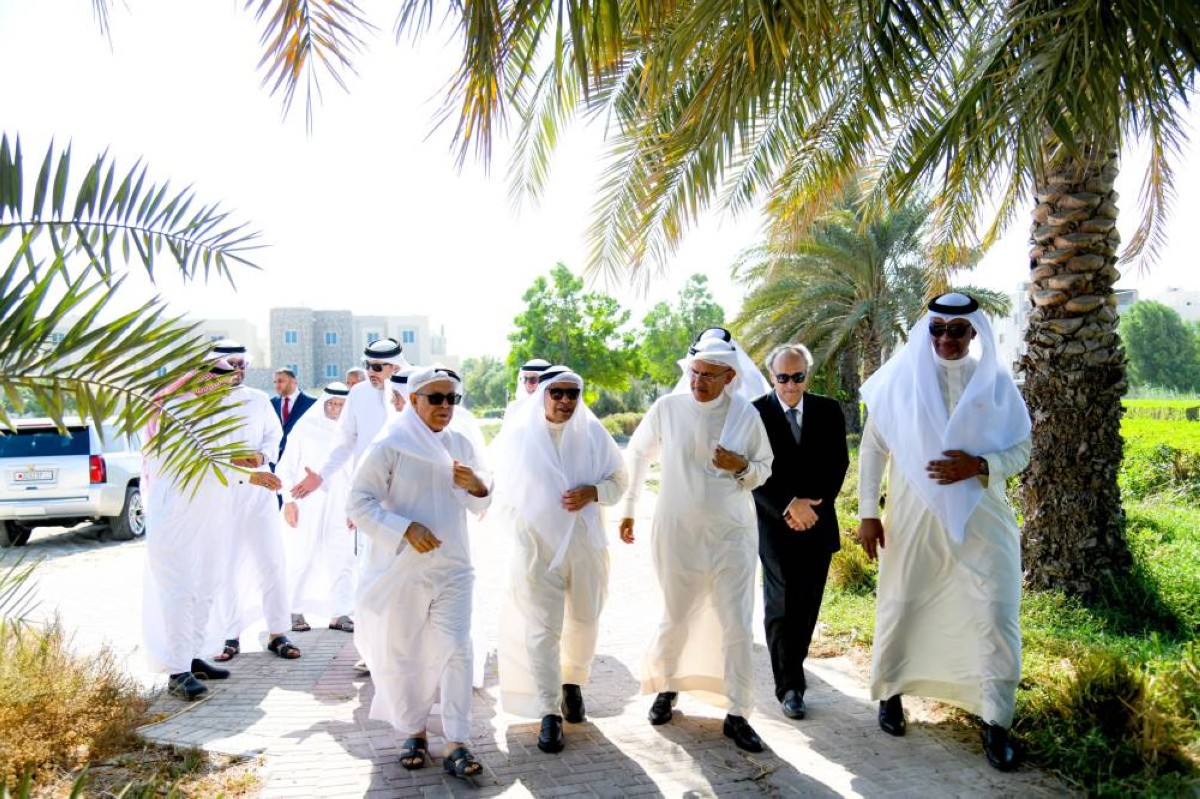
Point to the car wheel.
(132, 521)
(14, 535)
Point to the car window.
(43, 442)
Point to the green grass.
(1162, 403)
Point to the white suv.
(47, 478)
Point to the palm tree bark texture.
(1074, 369)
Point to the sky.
(368, 212)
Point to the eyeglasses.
(559, 393)
(239, 365)
(954, 331)
(376, 367)
(530, 380)
(707, 378)
(438, 398)
(795, 377)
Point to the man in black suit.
(289, 404)
(797, 523)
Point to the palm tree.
(63, 348)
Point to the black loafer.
(793, 705)
(572, 704)
(1001, 753)
(550, 739)
(742, 734)
(662, 709)
(891, 716)
(185, 686)
(207, 671)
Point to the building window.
(330, 338)
(291, 337)
(331, 370)
(162, 371)
(408, 336)
(295, 369)
(57, 338)
(372, 336)
(215, 337)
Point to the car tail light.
(97, 470)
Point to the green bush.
(622, 424)
(851, 570)
(1162, 457)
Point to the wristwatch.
(983, 467)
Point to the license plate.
(33, 476)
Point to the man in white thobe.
(714, 451)
(527, 382)
(183, 563)
(410, 496)
(255, 570)
(950, 429)
(555, 466)
(320, 544)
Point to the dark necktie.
(287, 409)
(794, 423)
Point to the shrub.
(622, 424)
(851, 570)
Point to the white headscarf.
(532, 475)
(749, 382)
(904, 400)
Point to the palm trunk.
(848, 386)
(1074, 370)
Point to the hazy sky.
(368, 212)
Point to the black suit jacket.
(303, 403)
(813, 469)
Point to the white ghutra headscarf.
(749, 382)
(904, 400)
(531, 475)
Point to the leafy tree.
(486, 382)
(566, 325)
(1162, 348)
(669, 330)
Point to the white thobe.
(365, 413)
(255, 570)
(413, 626)
(947, 620)
(705, 545)
(183, 566)
(551, 619)
(321, 565)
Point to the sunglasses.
(559, 393)
(954, 331)
(376, 367)
(438, 398)
(795, 377)
(239, 365)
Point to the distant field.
(1162, 403)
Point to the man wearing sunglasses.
(410, 497)
(949, 429)
(556, 465)
(714, 452)
(797, 524)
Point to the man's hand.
(729, 461)
(252, 462)
(579, 498)
(465, 478)
(311, 482)
(421, 538)
(265, 480)
(870, 535)
(291, 513)
(957, 466)
(350, 525)
(800, 515)
(626, 530)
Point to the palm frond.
(305, 39)
(113, 215)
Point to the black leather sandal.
(462, 764)
(281, 646)
(231, 650)
(415, 753)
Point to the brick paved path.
(309, 716)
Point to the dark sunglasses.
(376, 367)
(559, 393)
(955, 331)
(795, 377)
(438, 398)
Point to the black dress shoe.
(572, 704)
(550, 739)
(661, 711)
(999, 749)
(742, 734)
(207, 671)
(891, 716)
(185, 686)
(793, 705)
